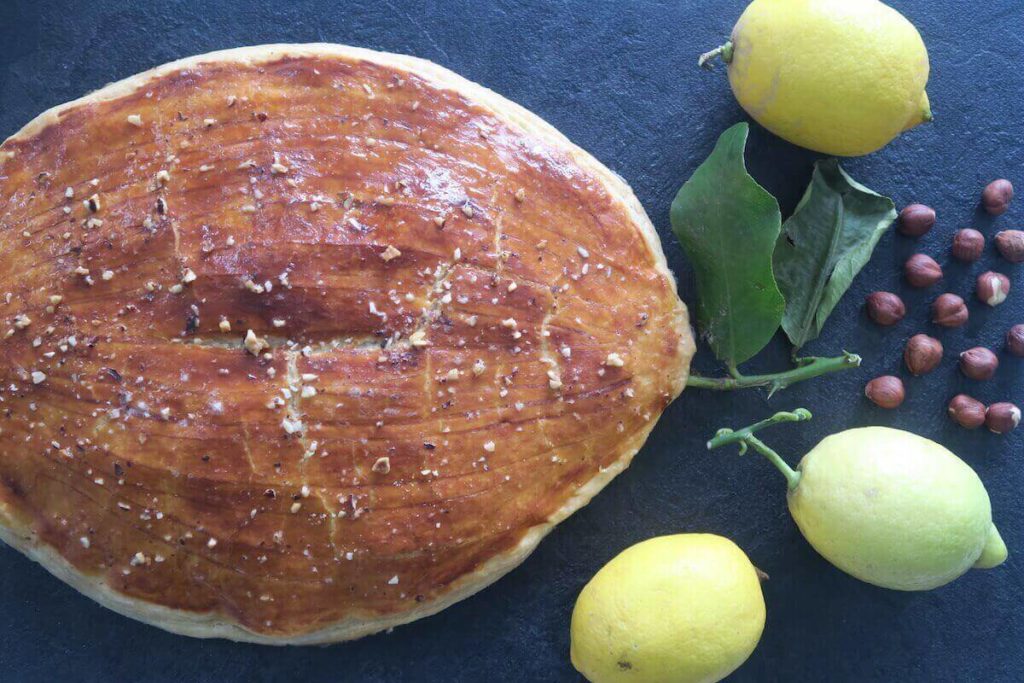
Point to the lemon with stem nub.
(685, 608)
(842, 77)
(889, 507)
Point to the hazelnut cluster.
(924, 353)
(971, 413)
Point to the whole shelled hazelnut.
(916, 220)
(922, 354)
(979, 363)
(885, 308)
(992, 288)
(1015, 340)
(1010, 244)
(949, 310)
(996, 196)
(968, 245)
(921, 270)
(1002, 417)
(885, 392)
(966, 411)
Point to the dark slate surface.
(618, 77)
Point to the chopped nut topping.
(509, 323)
(254, 344)
(489, 446)
(176, 288)
(382, 465)
(467, 210)
(93, 203)
(69, 192)
(614, 360)
(419, 339)
(390, 253)
(478, 367)
(56, 299)
(107, 275)
(188, 276)
(38, 377)
(135, 120)
(277, 167)
(253, 287)
(583, 252)
(520, 195)
(209, 123)
(224, 325)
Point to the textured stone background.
(619, 78)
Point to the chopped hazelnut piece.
(382, 465)
(254, 344)
(614, 360)
(224, 325)
(419, 339)
(135, 120)
(390, 253)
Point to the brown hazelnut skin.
(968, 245)
(979, 363)
(967, 412)
(949, 310)
(996, 196)
(992, 288)
(1010, 244)
(885, 308)
(921, 270)
(916, 220)
(885, 392)
(1002, 417)
(922, 354)
(1015, 340)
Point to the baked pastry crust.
(319, 341)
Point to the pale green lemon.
(894, 509)
(842, 77)
(686, 608)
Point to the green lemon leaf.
(728, 226)
(823, 246)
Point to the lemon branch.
(723, 51)
(745, 437)
(806, 369)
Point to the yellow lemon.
(842, 77)
(686, 608)
(894, 509)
